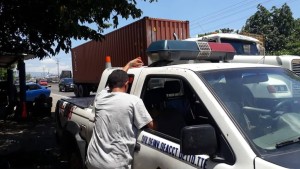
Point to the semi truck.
(251, 50)
(209, 113)
(130, 41)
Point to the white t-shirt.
(118, 118)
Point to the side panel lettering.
(174, 151)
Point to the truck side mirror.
(198, 139)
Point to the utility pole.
(57, 62)
(43, 72)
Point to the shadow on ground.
(29, 144)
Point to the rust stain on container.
(124, 44)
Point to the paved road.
(54, 90)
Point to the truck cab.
(219, 115)
(243, 45)
(250, 50)
(208, 114)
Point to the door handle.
(137, 147)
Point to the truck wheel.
(81, 91)
(76, 90)
(86, 91)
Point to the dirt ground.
(29, 144)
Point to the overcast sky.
(204, 16)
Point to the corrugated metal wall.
(124, 44)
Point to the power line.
(195, 28)
(235, 20)
(221, 17)
(211, 15)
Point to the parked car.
(34, 91)
(66, 84)
(43, 82)
(38, 99)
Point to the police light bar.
(173, 50)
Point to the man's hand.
(137, 62)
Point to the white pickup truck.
(208, 115)
(249, 50)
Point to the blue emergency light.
(174, 50)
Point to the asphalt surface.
(30, 144)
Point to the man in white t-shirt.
(118, 117)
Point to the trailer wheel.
(76, 90)
(86, 91)
(83, 91)
(80, 91)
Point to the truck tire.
(86, 91)
(83, 91)
(76, 90)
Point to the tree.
(260, 22)
(293, 45)
(283, 24)
(226, 30)
(44, 27)
(276, 25)
(282, 18)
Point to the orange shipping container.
(124, 44)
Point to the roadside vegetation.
(44, 28)
(280, 30)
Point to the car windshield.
(69, 80)
(242, 47)
(33, 87)
(264, 103)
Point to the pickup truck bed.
(84, 102)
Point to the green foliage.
(3, 74)
(44, 27)
(278, 27)
(293, 45)
(225, 30)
